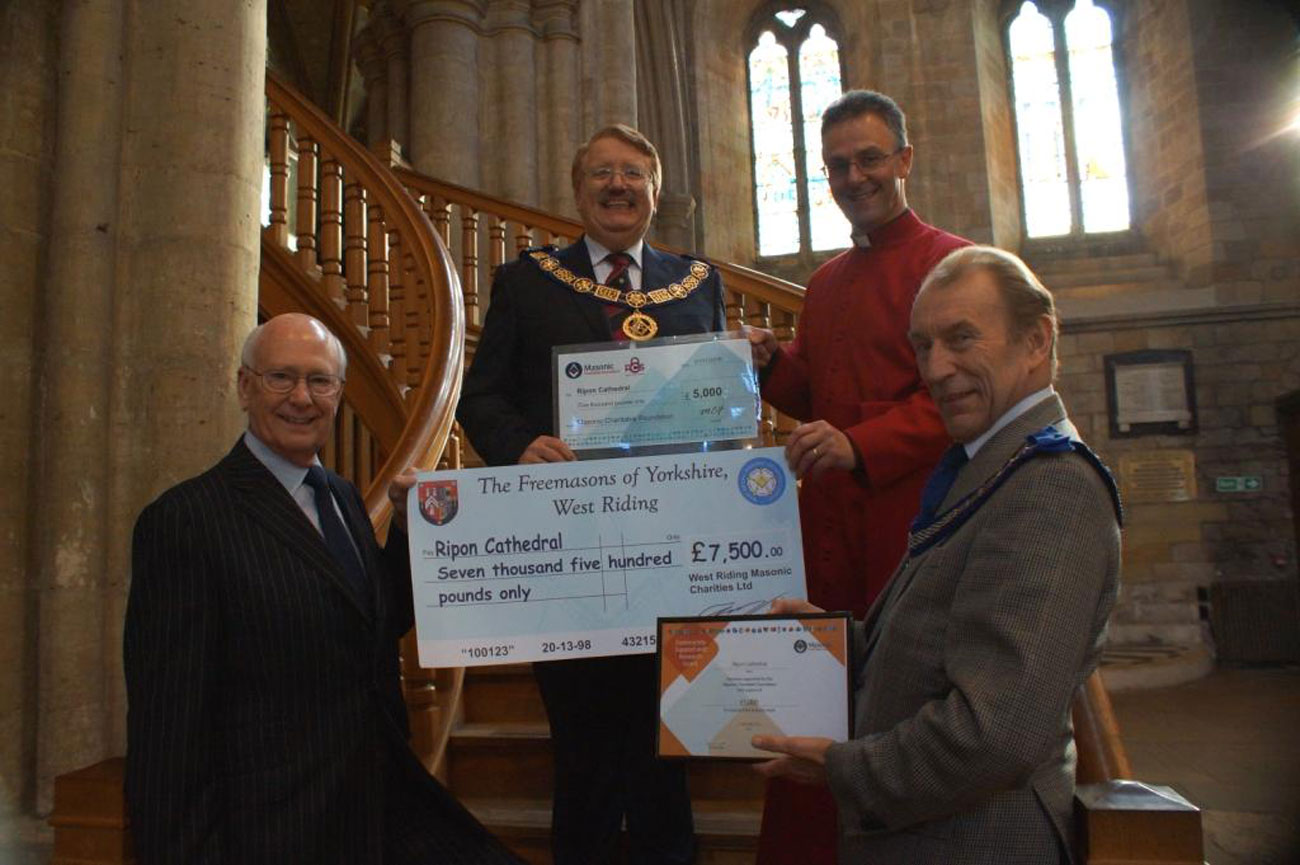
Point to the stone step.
(1156, 612)
(726, 832)
(1153, 665)
(1087, 275)
(1101, 289)
(513, 760)
(1167, 591)
(1154, 634)
(1064, 264)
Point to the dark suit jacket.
(963, 748)
(266, 724)
(508, 395)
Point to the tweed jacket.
(508, 395)
(963, 748)
(265, 720)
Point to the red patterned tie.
(620, 279)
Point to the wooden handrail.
(534, 226)
(411, 256)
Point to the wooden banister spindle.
(278, 157)
(355, 270)
(523, 238)
(377, 280)
(416, 343)
(469, 262)
(440, 214)
(331, 227)
(496, 242)
(420, 690)
(398, 371)
(308, 197)
(733, 307)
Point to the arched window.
(1069, 131)
(794, 73)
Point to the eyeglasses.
(283, 381)
(867, 161)
(631, 175)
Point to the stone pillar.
(185, 295)
(608, 64)
(374, 70)
(664, 109)
(71, 493)
(445, 88)
(29, 66)
(675, 220)
(512, 143)
(392, 38)
(557, 91)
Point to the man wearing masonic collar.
(967, 663)
(609, 285)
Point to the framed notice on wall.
(1150, 393)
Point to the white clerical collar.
(973, 447)
(598, 251)
(290, 475)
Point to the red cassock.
(851, 365)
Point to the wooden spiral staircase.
(392, 261)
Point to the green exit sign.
(1240, 484)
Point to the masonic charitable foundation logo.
(439, 501)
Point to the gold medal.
(639, 326)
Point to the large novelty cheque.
(580, 559)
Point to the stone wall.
(1248, 87)
(1170, 201)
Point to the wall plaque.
(1150, 393)
(1158, 476)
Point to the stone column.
(393, 40)
(71, 491)
(608, 64)
(664, 111)
(445, 88)
(511, 148)
(374, 70)
(558, 97)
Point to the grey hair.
(856, 103)
(255, 336)
(1026, 298)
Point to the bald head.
(290, 326)
(296, 352)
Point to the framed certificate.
(612, 399)
(725, 679)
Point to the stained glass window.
(1073, 175)
(794, 73)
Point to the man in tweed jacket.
(966, 666)
(266, 725)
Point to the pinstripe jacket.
(266, 724)
(963, 749)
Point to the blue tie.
(937, 487)
(336, 534)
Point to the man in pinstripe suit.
(266, 724)
(967, 664)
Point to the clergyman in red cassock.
(871, 433)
